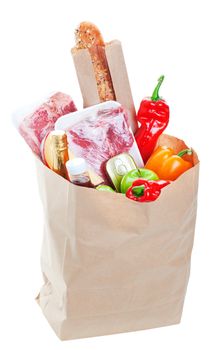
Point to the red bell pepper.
(153, 115)
(145, 190)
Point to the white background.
(175, 38)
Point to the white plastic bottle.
(78, 172)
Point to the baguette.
(88, 36)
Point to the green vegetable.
(136, 174)
(104, 188)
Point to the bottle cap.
(57, 132)
(58, 135)
(76, 166)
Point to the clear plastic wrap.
(98, 133)
(36, 121)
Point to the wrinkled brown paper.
(119, 76)
(110, 264)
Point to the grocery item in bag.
(136, 174)
(88, 36)
(153, 115)
(101, 70)
(118, 166)
(167, 164)
(54, 152)
(105, 188)
(99, 133)
(34, 123)
(78, 172)
(145, 191)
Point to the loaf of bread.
(101, 70)
(88, 36)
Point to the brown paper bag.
(119, 76)
(111, 264)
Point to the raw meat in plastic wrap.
(99, 133)
(38, 123)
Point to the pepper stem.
(138, 191)
(185, 151)
(155, 95)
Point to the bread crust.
(88, 36)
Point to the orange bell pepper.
(168, 165)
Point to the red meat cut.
(100, 137)
(37, 124)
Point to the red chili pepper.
(153, 115)
(145, 190)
